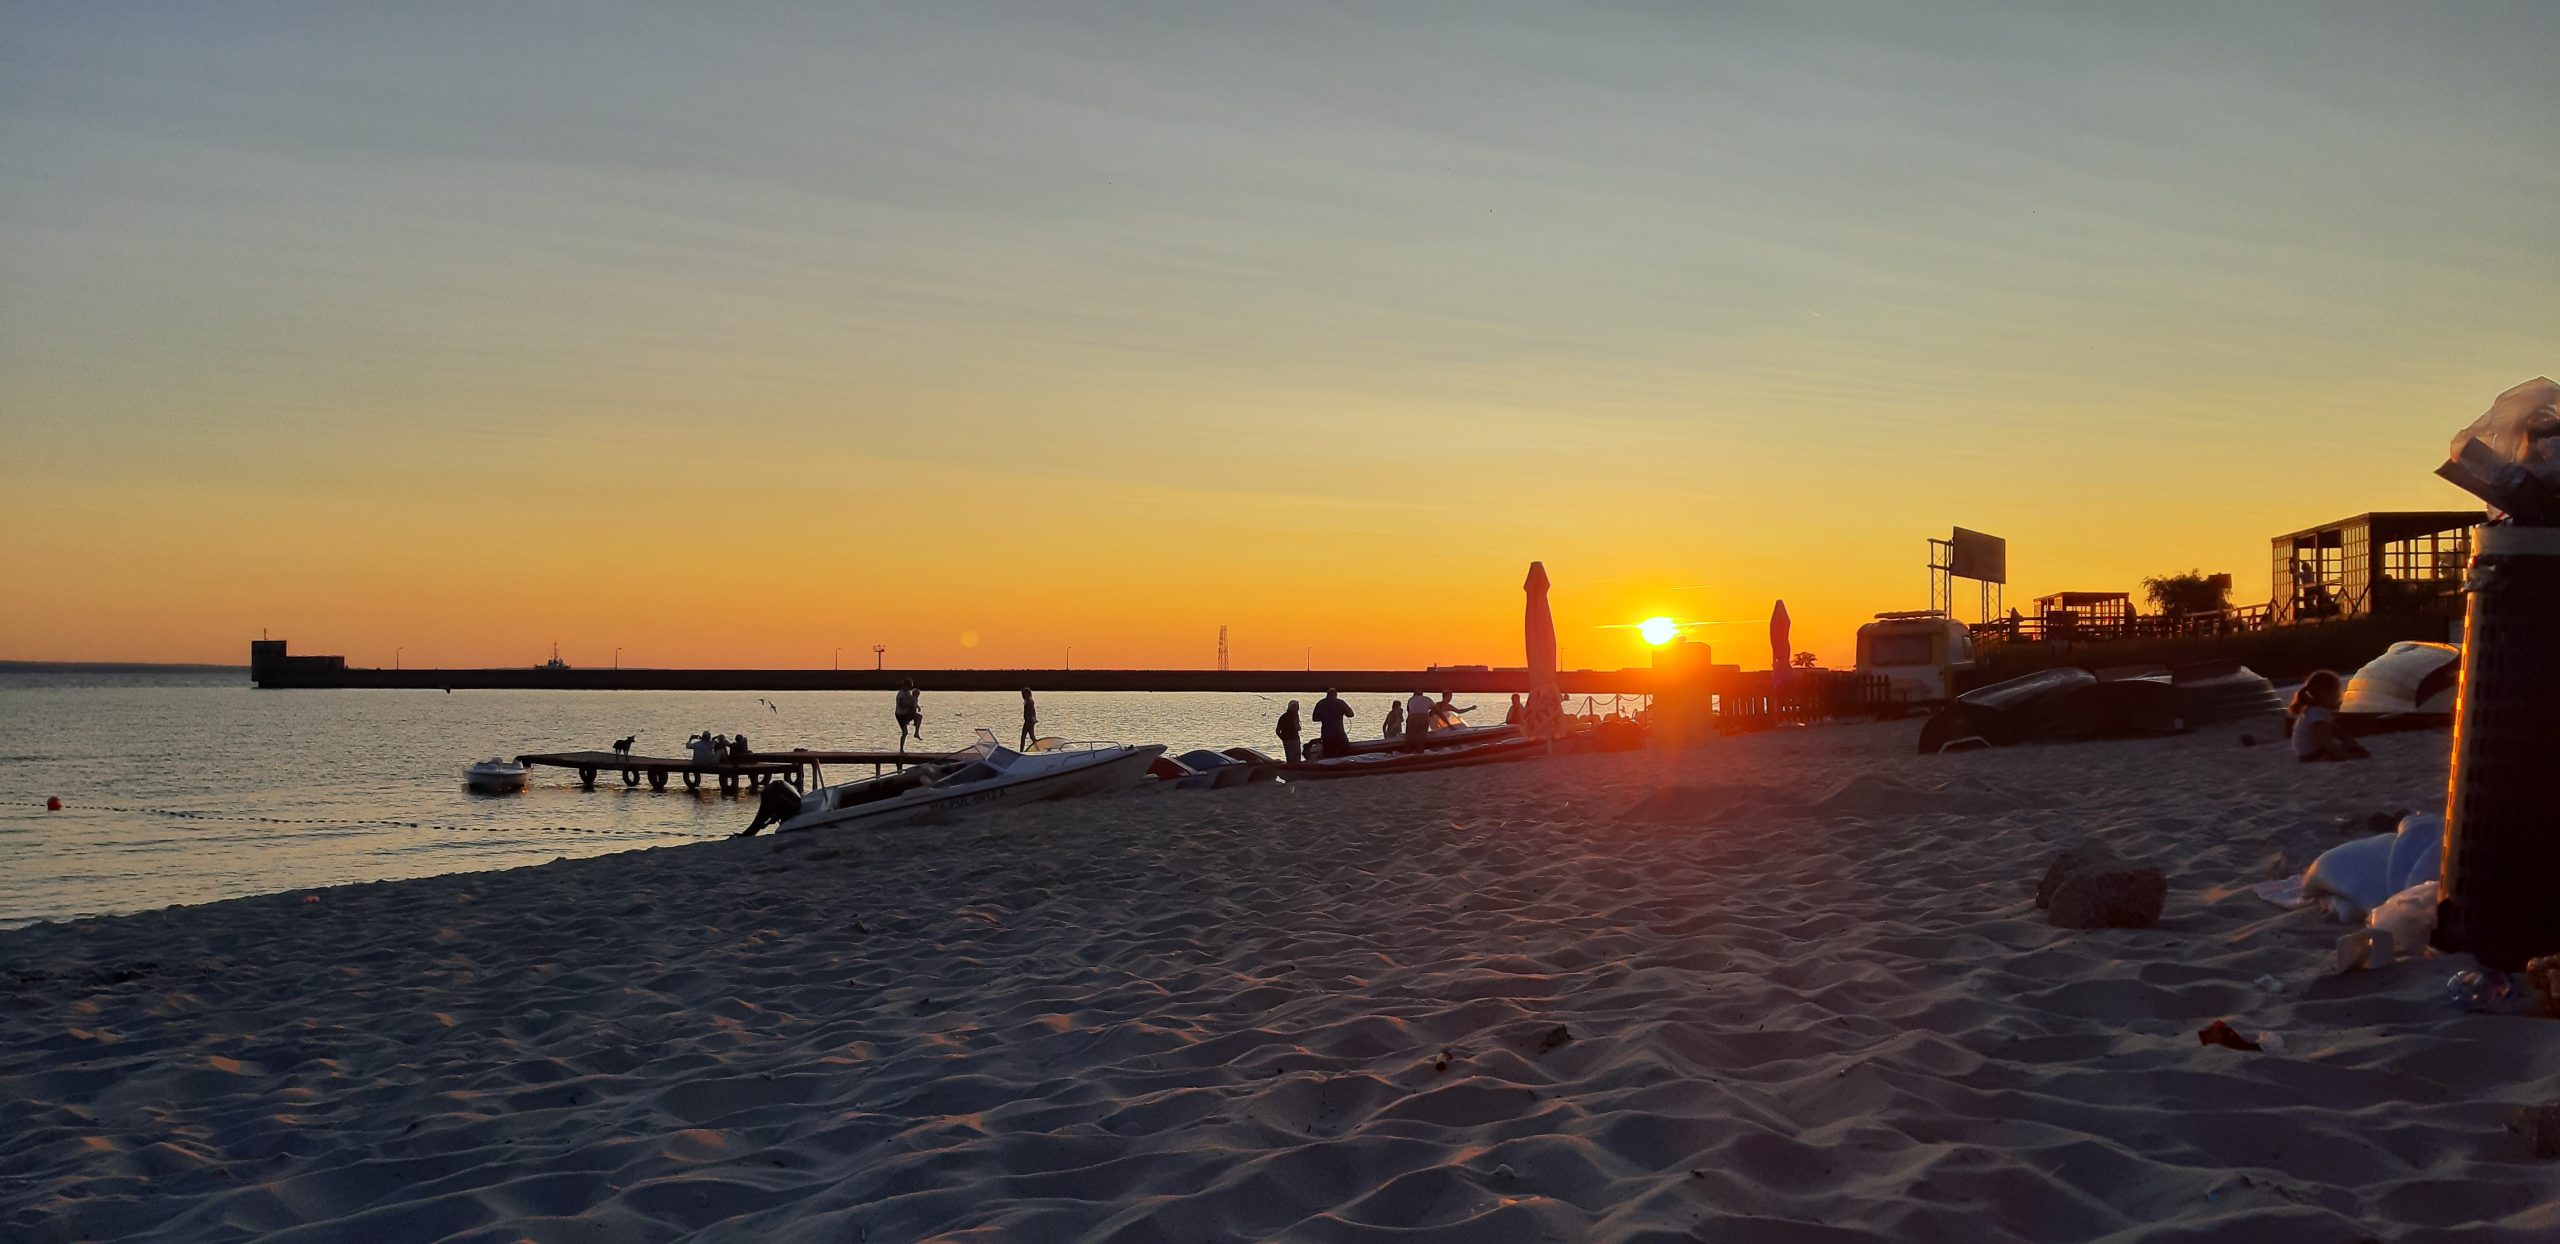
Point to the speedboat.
(988, 775)
(495, 776)
(1203, 769)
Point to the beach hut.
(2371, 563)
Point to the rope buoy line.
(387, 823)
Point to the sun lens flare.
(1658, 631)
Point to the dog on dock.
(622, 746)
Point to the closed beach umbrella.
(1780, 654)
(1539, 627)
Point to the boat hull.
(1494, 752)
(495, 781)
(1445, 737)
(1124, 770)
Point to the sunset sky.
(735, 334)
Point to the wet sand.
(1803, 994)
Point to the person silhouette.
(1030, 720)
(910, 712)
(1287, 729)
(1332, 739)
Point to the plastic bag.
(2409, 917)
(2510, 456)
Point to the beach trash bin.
(2501, 898)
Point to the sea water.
(196, 787)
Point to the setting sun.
(1658, 631)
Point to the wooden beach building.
(2371, 563)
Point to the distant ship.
(555, 663)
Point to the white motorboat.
(992, 775)
(495, 776)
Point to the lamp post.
(617, 658)
(879, 656)
(1071, 656)
(839, 658)
(395, 657)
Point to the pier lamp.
(395, 657)
(839, 658)
(617, 658)
(879, 656)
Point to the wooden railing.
(2078, 628)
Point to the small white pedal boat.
(494, 776)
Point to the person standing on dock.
(1030, 720)
(1288, 732)
(910, 712)
(1330, 712)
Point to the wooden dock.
(801, 767)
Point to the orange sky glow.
(982, 335)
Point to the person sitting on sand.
(1330, 712)
(2312, 720)
(1288, 732)
(1517, 712)
(1394, 726)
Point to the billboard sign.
(1977, 556)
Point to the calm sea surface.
(189, 788)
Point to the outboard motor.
(780, 803)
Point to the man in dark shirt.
(1330, 713)
(1288, 732)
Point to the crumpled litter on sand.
(2409, 916)
(2220, 1032)
(2285, 892)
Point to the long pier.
(271, 666)
(802, 767)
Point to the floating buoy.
(53, 803)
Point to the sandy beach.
(1789, 987)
